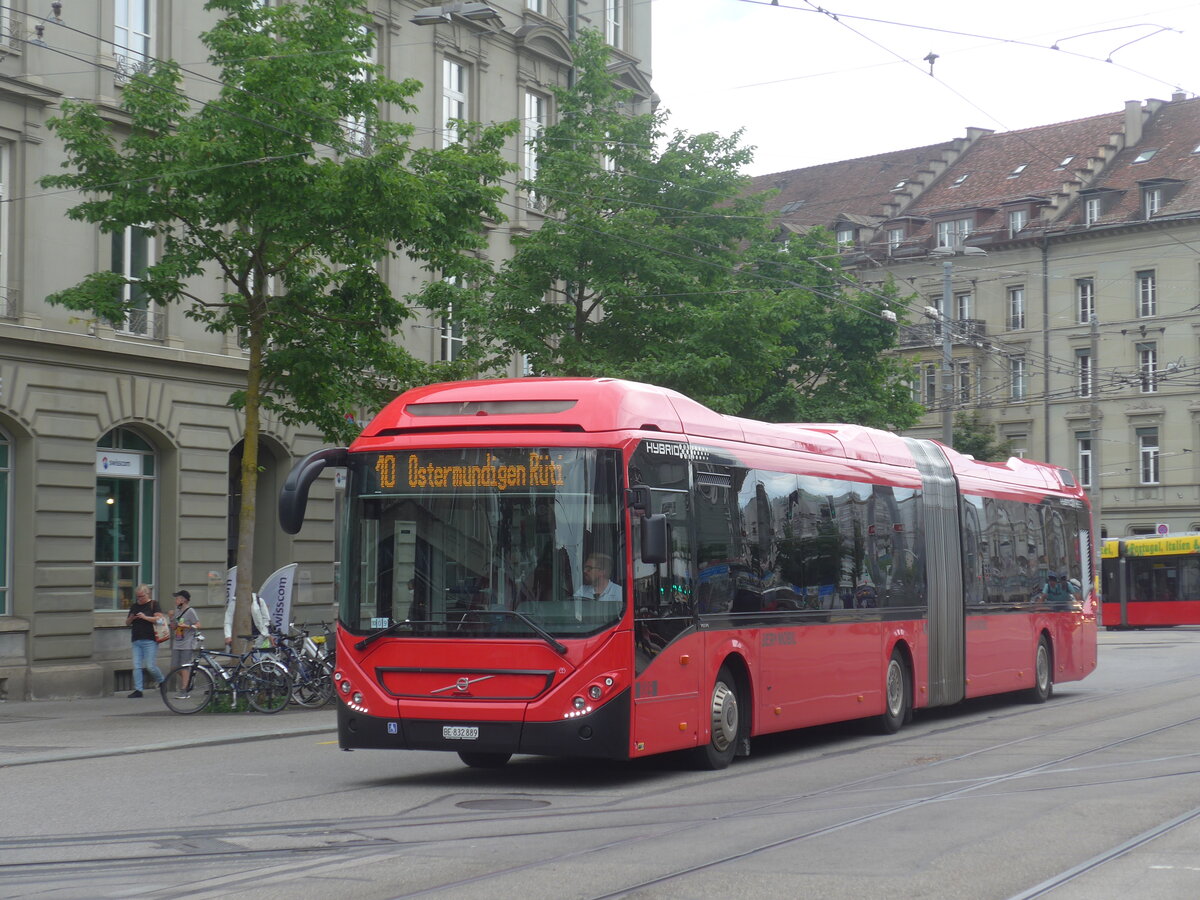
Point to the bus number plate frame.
(460, 732)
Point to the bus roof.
(595, 405)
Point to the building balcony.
(929, 334)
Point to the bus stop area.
(41, 731)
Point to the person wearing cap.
(186, 628)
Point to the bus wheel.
(897, 695)
(1043, 674)
(484, 760)
(726, 723)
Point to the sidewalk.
(42, 731)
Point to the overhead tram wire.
(784, 282)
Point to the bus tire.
(484, 760)
(725, 724)
(1043, 673)
(897, 694)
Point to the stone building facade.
(118, 450)
(1051, 279)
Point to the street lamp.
(944, 319)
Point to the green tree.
(976, 438)
(293, 187)
(655, 263)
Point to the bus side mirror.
(655, 539)
(293, 498)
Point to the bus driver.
(597, 586)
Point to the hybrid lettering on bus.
(599, 568)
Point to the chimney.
(1133, 122)
(1178, 97)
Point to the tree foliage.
(656, 263)
(294, 188)
(974, 437)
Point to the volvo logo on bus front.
(461, 685)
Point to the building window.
(1016, 308)
(1151, 201)
(1083, 453)
(1147, 293)
(1145, 156)
(1017, 219)
(962, 306)
(963, 379)
(454, 100)
(614, 23)
(1091, 210)
(131, 37)
(1016, 380)
(931, 385)
(132, 254)
(1083, 373)
(535, 5)
(8, 300)
(1148, 367)
(125, 517)
(895, 237)
(355, 126)
(1018, 170)
(845, 235)
(451, 337)
(1018, 445)
(5, 518)
(1085, 299)
(953, 233)
(535, 121)
(1148, 455)
(1066, 161)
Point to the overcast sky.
(808, 89)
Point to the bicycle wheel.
(267, 686)
(187, 689)
(313, 687)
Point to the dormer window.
(1092, 208)
(895, 237)
(791, 206)
(1017, 219)
(1144, 156)
(1018, 170)
(1152, 200)
(845, 235)
(953, 232)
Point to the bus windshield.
(518, 542)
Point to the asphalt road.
(1095, 794)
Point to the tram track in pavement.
(332, 842)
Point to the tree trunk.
(247, 514)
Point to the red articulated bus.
(598, 568)
(1150, 582)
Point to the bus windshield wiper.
(376, 635)
(537, 629)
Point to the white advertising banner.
(276, 592)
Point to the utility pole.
(1094, 493)
(947, 358)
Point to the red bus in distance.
(1150, 581)
(599, 568)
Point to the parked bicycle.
(310, 671)
(219, 679)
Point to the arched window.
(125, 517)
(5, 517)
